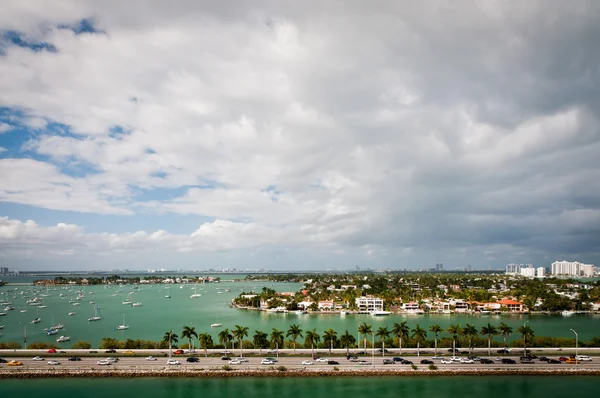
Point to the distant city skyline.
(298, 135)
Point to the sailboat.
(167, 295)
(123, 326)
(195, 295)
(37, 318)
(96, 316)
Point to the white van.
(583, 358)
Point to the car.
(267, 362)
(226, 352)
(583, 358)
(53, 363)
(407, 362)
(150, 358)
(241, 359)
(466, 360)
(112, 359)
(388, 362)
(508, 361)
(110, 351)
(354, 359)
(572, 361)
(92, 352)
(485, 361)
(526, 360)
(37, 359)
(554, 361)
(178, 352)
(173, 362)
(364, 363)
(397, 359)
(445, 361)
(438, 357)
(272, 359)
(225, 359)
(52, 351)
(426, 362)
(192, 359)
(473, 357)
(271, 351)
(504, 351)
(322, 360)
(73, 359)
(545, 359)
(307, 362)
(464, 353)
(456, 359)
(235, 362)
(128, 352)
(351, 357)
(333, 363)
(563, 359)
(382, 350)
(2, 360)
(14, 363)
(103, 362)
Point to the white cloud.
(4, 127)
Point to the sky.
(298, 135)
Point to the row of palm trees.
(401, 331)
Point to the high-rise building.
(540, 271)
(528, 272)
(439, 267)
(573, 268)
(516, 268)
(3, 270)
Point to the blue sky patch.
(15, 38)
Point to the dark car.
(426, 362)
(485, 361)
(503, 351)
(192, 359)
(333, 363)
(74, 359)
(111, 351)
(526, 360)
(349, 357)
(545, 359)
(464, 353)
(2, 360)
(406, 362)
(226, 358)
(397, 359)
(388, 362)
(554, 361)
(383, 350)
(508, 361)
(92, 352)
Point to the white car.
(456, 359)
(322, 360)
(173, 362)
(438, 357)
(53, 363)
(103, 362)
(267, 362)
(235, 362)
(583, 358)
(37, 358)
(112, 360)
(446, 361)
(150, 358)
(241, 360)
(466, 360)
(307, 363)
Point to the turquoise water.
(159, 314)
(348, 387)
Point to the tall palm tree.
(330, 336)
(312, 338)
(295, 332)
(454, 330)
(383, 333)
(364, 329)
(346, 340)
(260, 340)
(506, 331)
(170, 338)
(400, 330)
(239, 333)
(225, 337)
(489, 330)
(418, 333)
(205, 339)
(526, 333)
(277, 338)
(189, 333)
(470, 332)
(436, 329)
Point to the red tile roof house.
(511, 305)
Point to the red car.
(179, 352)
(51, 351)
(563, 359)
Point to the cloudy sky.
(298, 135)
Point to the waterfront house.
(369, 304)
(326, 305)
(511, 305)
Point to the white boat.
(2, 313)
(43, 306)
(96, 316)
(195, 295)
(215, 325)
(136, 304)
(36, 320)
(71, 313)
(51, 332)
(380, 313)
(123, 326)
(484, 312)
(62, 339)
(167, 295)
(23, 310)
(1, 326)
(343, 313)
(567, 313)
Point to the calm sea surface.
(158, 314)
(380, 387)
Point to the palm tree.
(400, 330)
(489, 330)
(470, 332)
(312, 338)
(239, 333)
(435, 329)
(365, 329)
(383, 333)
(330, 336)
(454, 330)
(346, 340)
(189, 333)
(277, 338)
(225, 337)
(419, 334)
(260, 340)
(170, 338)
(295, 332)
(505, 331)
(205, 339)
(526, 333)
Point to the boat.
(62, 339)
(136, 304)
(567, 313)
(300, 312)
(71, 313)
(215, 325)
(123, 326)
(380, 313)
(96, 316)
(195, 295)
(484, 312)
(51, 332)
(76, 303)
(23, 311)
(343, 313)
(167, 295)
(36, 320)
(2, 313)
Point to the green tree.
(506, 331)
(364, 329)
(400, 330)
(277, 338)
(346, 340)
(260, 340)
(490, 331)
(419, 334)
(436, 329)
(225, 337)
(312, 338)
(170, 338)
(383, 333)
(82, 345)
(205, 340)
(526, 333)
(454, 330)
(239, 333)
(189, 333)
(470, 332)
(295, 332)
(330, 337)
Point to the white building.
(573, 268)
(515, 269)
(528, 272)
(369, 304)
(541, 271)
